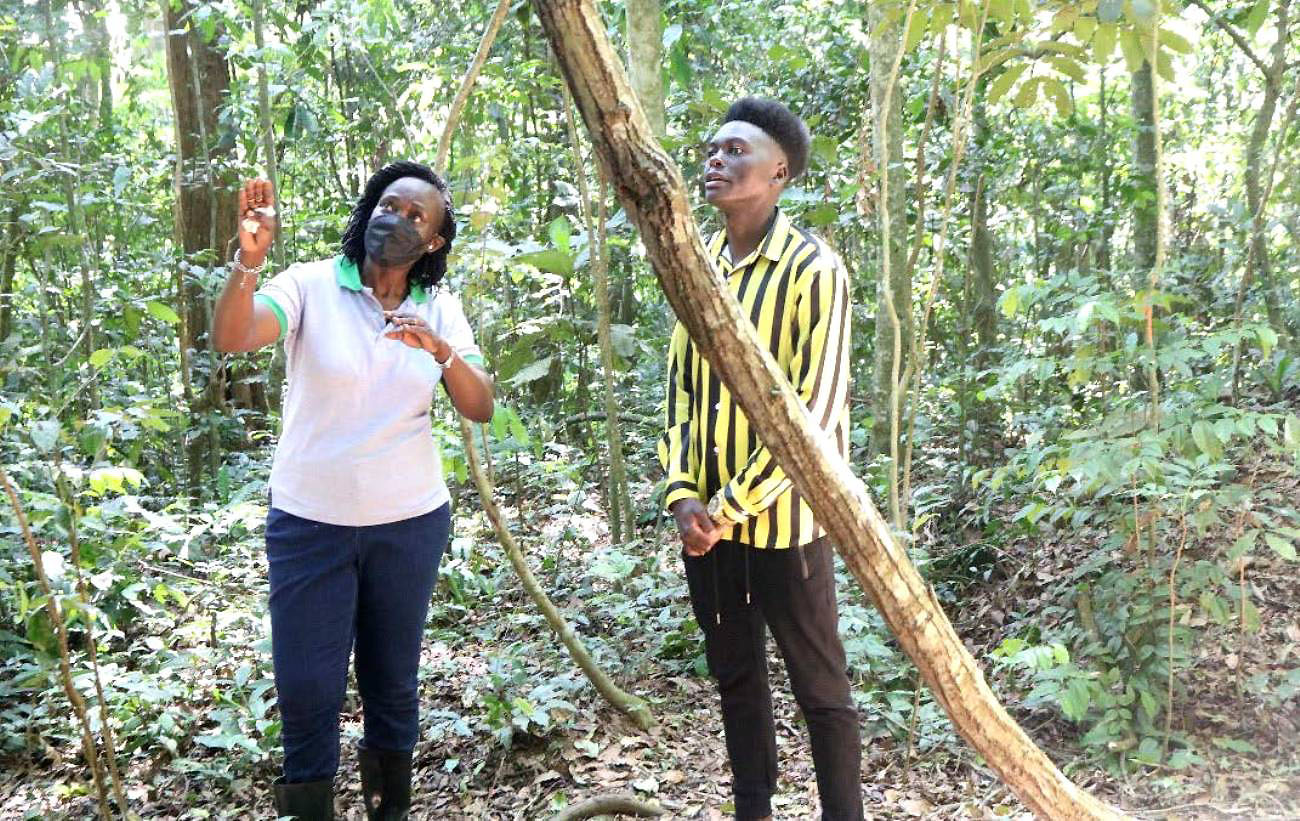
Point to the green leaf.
(552, 259)
(1070, 68)
(1028, 93)
(1267, 424)
(560, 231)
(1174, 41)
(1075, 699)
(1281, 546)
(824, 214)
(1084, 28)
(1244, 544)
(100, 358)
(941, 17)
(1267, 340)
(1056, 90)
(1002, 11)
(1205, 439)
(1148, 752)
(1234, 744)
(680, 64)
(45, 434)
(1291, 431)
(916, 28)
(1103, 43)
(532, 372)
(1131, 44)
(999, 87)
(1254, 20)
(1010, 301)
(121, 176)
(163, 311)
(825, 148)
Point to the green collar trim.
(347, 276)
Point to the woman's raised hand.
(257, 222)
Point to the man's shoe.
(308, 801)
(385, 784)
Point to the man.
(755, 557)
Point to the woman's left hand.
(413, 331)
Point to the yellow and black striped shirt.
(795, 291)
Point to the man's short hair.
(780, 123)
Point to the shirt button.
(718, 406)
(717, 449)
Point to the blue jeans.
(333, 588)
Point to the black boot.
(385, 784)
(309, 801)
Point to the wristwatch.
(716, 512)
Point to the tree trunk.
(645, 57)
(199, 78)
(1103, 147)
(8, 265)
(1144, 168)
(651, 190)
(891, 217)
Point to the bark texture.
(651, 190)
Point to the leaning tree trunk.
(651, 190)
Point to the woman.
(359, 510)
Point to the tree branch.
(610, 804)
(1236, 36)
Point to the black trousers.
(738, 592)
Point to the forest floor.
(510, 731)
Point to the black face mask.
(393, 240)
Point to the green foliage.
(1037, 432)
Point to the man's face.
(742, 163)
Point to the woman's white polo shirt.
(356, 446)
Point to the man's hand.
(699, 533)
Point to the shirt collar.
(347, 276)
(771, 246)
